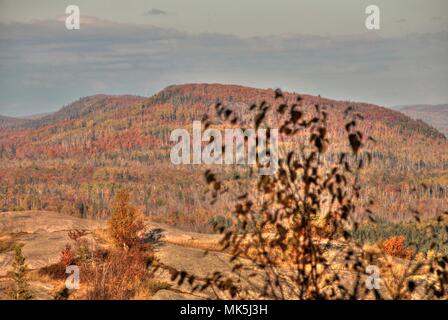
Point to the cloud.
(155, 12)
(44, 66)
(402, 20)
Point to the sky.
(141, 46)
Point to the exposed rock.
(43, 236)
(174, 295)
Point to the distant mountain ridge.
(208, 94)
(13, 122)
(20, 122)
(242, 96)
(179, 105)
(78, 109)
(434, 115)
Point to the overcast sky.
(142, 46)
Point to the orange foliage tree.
(395, 246)
(126, 222)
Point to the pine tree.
(20, 289)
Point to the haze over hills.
(435, 115)
(74, 160)
(8, 122)
(15, 122)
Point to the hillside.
(434, 115)
(74, 160)
(81, 108)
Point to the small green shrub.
(20, 290)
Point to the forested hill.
(435, 115)
(75, 159)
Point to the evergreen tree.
(20, 289)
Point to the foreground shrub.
(120, 276)
(126, 222)
(395, 246)
(120, 273)
(67, 256)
